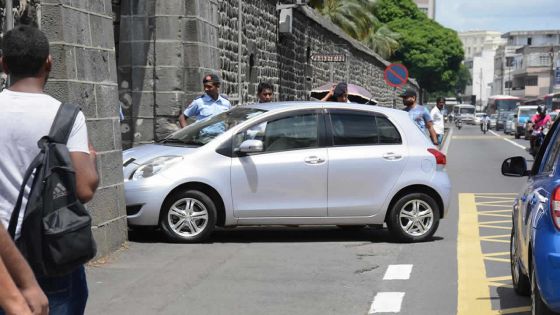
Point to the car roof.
(281, 106)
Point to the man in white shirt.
(26, 115)
(437, 118)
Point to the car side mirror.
(515, 167)
(251, 146)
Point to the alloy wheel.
(416, 217)
(187, 217)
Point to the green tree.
(357, 18)
(432, 53)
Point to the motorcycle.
(459, 123)
(484, 126)
(537, 140)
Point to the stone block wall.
(165, 48)
(84, 72)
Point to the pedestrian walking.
(338, 93)
(437, 118)
(265, 91)
(19, 291)
(208, 104)
(419, 114)
(26, 115)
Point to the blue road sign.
(396, 75)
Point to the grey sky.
(499, 15)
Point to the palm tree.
(357, 18)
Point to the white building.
(428, 7)
(480, 50)
(525, 65)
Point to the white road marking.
(447, 141)
(398, 272)
(508, 140)
(386, 302)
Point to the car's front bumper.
(148, 195)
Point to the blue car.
(535, 236)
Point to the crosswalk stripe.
(398, 272)
(386, 302)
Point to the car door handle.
(314, 160)
(391, 156)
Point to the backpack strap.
(63, 123)
(15, 213)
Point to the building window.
(509, 61)
(544, 60)
(508, 85)
(531, 81)
(529, 41)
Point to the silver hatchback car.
(292, 163)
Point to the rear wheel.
(521, 283)
(188, 216)
(414, 218)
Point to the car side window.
(282, 134)
(354, 129)
(552, 157)
(388, 133)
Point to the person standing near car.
(338, 93)
(265, 91)
(437, 118)
(208, 104)
(26, 115)
(419, 114)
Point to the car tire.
(521, 283)
(351, 227)
(188, 216)
(414, 218)
(538, 305)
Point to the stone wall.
(84, 72)
(166, 47)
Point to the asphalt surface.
(313, 270)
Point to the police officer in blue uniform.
(208, 104)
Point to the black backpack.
(56, 235)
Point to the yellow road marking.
(473, 286)
(515, 310)
(472, 295)
(491, 197)
(483, 203)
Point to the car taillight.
(555, 207)
(440, 157)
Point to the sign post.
(396, 75)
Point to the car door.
(287, 179)
(366, 158)
(535, 198)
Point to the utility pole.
(552, 78)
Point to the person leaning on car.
(208, 104)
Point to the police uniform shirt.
(205, 106)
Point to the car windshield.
(202, 132)
(527, 112)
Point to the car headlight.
(154, 166)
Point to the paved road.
(329, 271)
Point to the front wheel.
(414, 218)
(188, 216)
